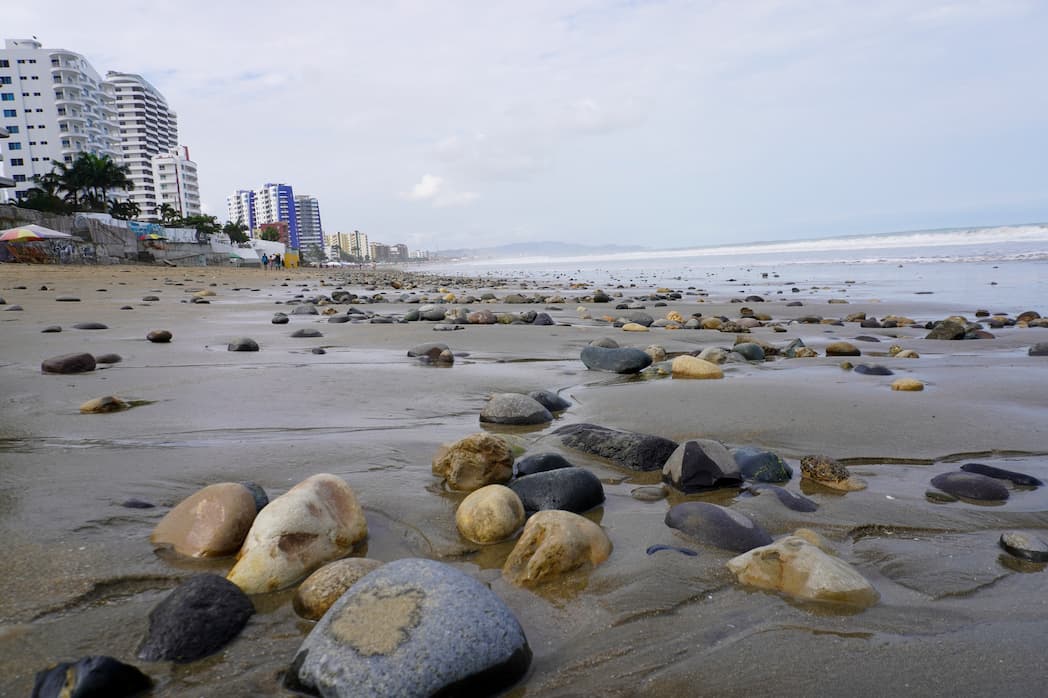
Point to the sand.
(956, 614)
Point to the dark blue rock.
(620, 360)
(542, 319)
(412, 628)
(569, 489)
(514, 409)
(788, 499)
(198, 618)
(971, 486)
(699, 465)
(258, 494)
(761, 465)
(717, 526)
(751, 351)
(137, 504)
(540, 463)
(628, 449)
(307, 332)
(652, 549)
(91, 677)
(873, 370)
(550, 400)
(1021, 479)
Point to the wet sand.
(956, 615)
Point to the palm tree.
(71, 179)
(102, 175)
(237, 231)
(168, 214)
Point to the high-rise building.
(240, 208)
(4, 181)
(358, 246)
(310, 231)
(175, 181)
(147, 128)
(55, 106)
(275, 203)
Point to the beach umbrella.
(31, 233)
(151, 236)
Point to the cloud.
(435, 190)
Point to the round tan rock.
(674, 316)
(710, 323)
(694, 367)
(634, 327)
(315, 595)
(907, 384)
(907, 354)
(208, 523)
(656, 352)
(554, 542)
(477, 460)
(104, 405)
(490, 514)
(842, 349)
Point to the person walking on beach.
(265, 261)
(278, 262)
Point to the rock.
(1025, 546)
(971, 486)
(685, 366)
(83, 325)
(69, 363)
(715, 355)
(318, 350)
(907, 354)
(515, 409)
(430, 349)
(656, 353)
(305, 309)
(490, 514)
(104, 405)
(1021, 479)
(258, 494)
(761, 465)
(554, 542)
(211, 522)
(649, 493)
(795, 567)
(108, 359)
(701, 464)
(308, 332)
(652, 549)
(873, 370)
(198, 618)
(826, 471)
(159, 336)
(323, 588)
(481, 317)
(243, 344)
(540, 463)
(634, 327)
(627, 449)
(14, 309)
(717, 526)
(150, 299)
(615, 360)
(550, 400)
(542, 320)
(51, 328)
(1039, 349)
(907, 384)
(842, 349)
(569, 489)
(91, 677)
(137, 504)
(316, 521)
(412, 628)
(475, 461)
(606, 342)
(788, 499)
(750, 351)
(947, 329)
(280, 319)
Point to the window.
(14, 146)
(7, 96)
(19, 178)
(5, 79)
(10, 113)
(12, 129)
(4, 63)
(17, 162)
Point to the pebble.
(323, 588)
(1021, 479)
(907, 385)
(1025, 546)
(555, 542)
(474, 461)
(652, 549)
(200, 617)
(550, 400)
(490, 514)
(649, 493)
(569, 489)
(788, 499)
(242, 344)
(308, 332)
(842, 349)
(159, 336)
(873, 370)
(751, 351)
(971, 486)
(826, 471)
(628, 449)
(305, 309)
(280, 319)
(95, 676)
(90, 326)
(104, 405)
(69, 363)
(514, 409)
(718, 526)
(947, 329)
(51, 328)
(1039, 349)
(14, 308)
(137, 504)
(412, 627)
(701, 464)
(108, 359)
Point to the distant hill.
(534, 249)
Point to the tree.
(271, 235)
(45, 195)
(88, 180)
(206, 225)
(127, 210)
(169, 215)
(313, 254)
(237, 231)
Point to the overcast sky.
(664, 124)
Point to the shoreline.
(86, 576)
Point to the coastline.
(951, 617)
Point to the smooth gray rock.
(108, 359)
(51, 328)
(540, 463)
(947, 329)
(542, 320)
(412, 627)
(307, 332)
(620, 360)
(788, 499)
(568, 489)
(514, 408)
(971, 486)
(242, 344)
(198, 618)
(431, 349)
(717, 526)
(90, 326)
(1021, 479)
(280, 319)
(69, 363)
(701, 464)
(761, 465)
(628, 449)
(1025, 546)
(1039, 349)
(873, 370)
(305, 309)
(751, 351)
(550, 400)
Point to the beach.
(956, 615)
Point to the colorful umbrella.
(31, 233)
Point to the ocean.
(1003, 268)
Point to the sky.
(661, 124)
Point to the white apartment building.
(54, 106)
(273, 203)
(240, 206)
(175, 181)
(4, 181)
(148, 128)
(310, 231)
